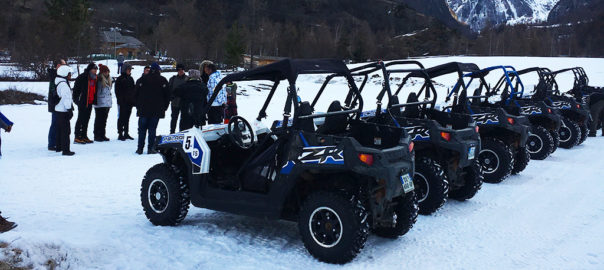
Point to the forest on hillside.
(222, 30)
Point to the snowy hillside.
(84, 212)
(477, 14)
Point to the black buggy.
(575, 115)
(503, 135)
(445, 143)
(337, 188)
(544, 120)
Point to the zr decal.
(561, 104)
(530, 110)
(485, 119)
(418, 133)
(322, 155)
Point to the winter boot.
(68, 153)
(105, 139)
(80, 140)
(127, 136)
(139, 151)
(121, 137)
(6, 225)
(151, 151)
(591, 134)
(87, 140)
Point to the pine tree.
(234, 46)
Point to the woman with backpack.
(102, 104)
(64, 110)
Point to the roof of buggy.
(447, 68)
(289, 69)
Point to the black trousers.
(216, 115)
(63, 131)
(81, 127)
(147, 124)
(123, 120)
(100, 122)
(174, 118)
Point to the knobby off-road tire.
(584, 132)
(521, 161)
(496, 159)
(570, 133)
(539, 143)
(431, 185)
(406, 210)
(473, 182)
(556, 136)
(333, 226)
(165, 195)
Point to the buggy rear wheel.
(539, 143)
(584, 131)
(164, 195)
(521, 161)
(431, 185)
(333, 226)
(496, 159)
(570, 133)
(472, 183)
(404, 215)
(556, 136)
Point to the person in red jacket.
(83, 95)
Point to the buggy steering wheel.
(241, 132)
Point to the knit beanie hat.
(194, 74)
(103, 68)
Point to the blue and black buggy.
(338, 182)
(503, 135)
(508, 93)
(575, 115)
(445, 143)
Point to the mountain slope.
(570, 11)
(477, 14)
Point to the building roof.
(124, 41)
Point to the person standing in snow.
(120, 63)
(64, 110)
(152, 101)
(596, 108)
(84, 91)
(192, 95)
(53, 99)
(216, 112)
(202, 68)
(231, 105)
(125, 92)
(177, 80)
(6, 225)
(5, 124)
(102, 103)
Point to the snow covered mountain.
(478, 13)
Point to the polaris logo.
(485, 119)
(418, 133)
(530, 110)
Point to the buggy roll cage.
(367, 69)
(289, 69)
(509, 73)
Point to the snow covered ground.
(84, 212)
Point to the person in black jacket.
(53, 99)
(192, 95)
(177, 80)
(125, 92)
(152, 101)
(84, 91)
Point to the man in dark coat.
(192, 95)
(152, 101)
(83, 96)
(177, 80)
(125, 92)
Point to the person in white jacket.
(64, 110)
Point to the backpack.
(53, 96)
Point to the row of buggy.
(382, 152)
